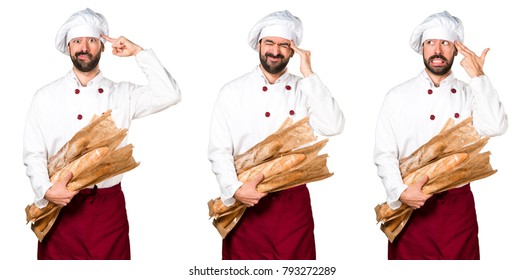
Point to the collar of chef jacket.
(450, 79)
(283, 78)
(95, 81)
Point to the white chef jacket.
(63, 107)
(415, 111)
(249, 109)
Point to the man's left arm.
(162, 90)
(325, 115)
(489, 116)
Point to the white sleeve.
(325, 116)
(220, 150)
(489, 116)
(35, 154)
(161, 92)
(386, 154)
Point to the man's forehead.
(439, 40)
(85, 38)
(277, 40)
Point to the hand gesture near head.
(122, 46)
(305, 60)
(472, 63)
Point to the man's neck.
(437, 79)
(85, 77)
(272, 78)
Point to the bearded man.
(444, 226)
(93, 223)
(248, 109)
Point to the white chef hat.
(442, 26)
(278, 24)
(85, 23)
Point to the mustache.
(438, 56)
(268, 54)
(83, 53)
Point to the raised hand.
(472, 63)
(122, 46)
(305, 60)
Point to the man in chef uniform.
(92, 223)
(248, 109)
(443, 226)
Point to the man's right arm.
(35, 156)
(220, 154)
(386, 158)
(35, 153)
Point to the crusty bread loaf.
(270, 185)
(273, 167)
(80, 164)
(92, 155)
(284, 160)
(34, 213)
(436, 168)
(423, 155)
(450, 159)
(287, 138)
(256, 155)
(384, 213)
(225, 224)
(218, 209)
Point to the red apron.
(93, 226)
(445, 228)
(279, 227)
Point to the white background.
(360, 49)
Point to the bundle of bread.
(284, 159)
(91, 155)
(450, 159)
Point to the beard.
(276, 68)
(441, 70)
(86, 66)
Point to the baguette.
(287, 138)
(393, 223)
(81, 141)
(436, 168)
(256, 155)
(115, 163)
(33, 213)
(273, 167)
(384, 213)
(279, 181)
(217, 208)
(394, 228)
(82, 163)
(226, 223)
(69, 152)
(423, 155)
(475, 168)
